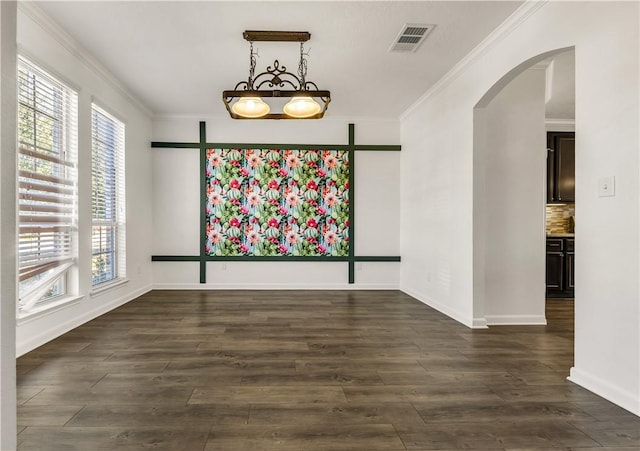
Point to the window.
(47, 185)
(107, 198)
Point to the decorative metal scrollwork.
(277, 76)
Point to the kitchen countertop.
(561, 235)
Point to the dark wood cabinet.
(561, 167)
(555, 266)
(560, 264)
(570, 264)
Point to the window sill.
(100, 289)
(46, 309)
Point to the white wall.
(8, 226)
(45, 44)
(176, 205)
(513, 199)
(437, 182)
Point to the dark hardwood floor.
(300, 370)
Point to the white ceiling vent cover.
(410, 37)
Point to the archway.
(509, 167)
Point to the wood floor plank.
(263, 344)
(168, 379)
(513, 434)
(26, 392)
(109, 394)
(401, 415)
(549, 393)
(343, 364)
(166, 416)
(315, 378)
(468, 411)
(617, 432)
(229, 366)
(268, 394)
(415, 393)
(54, 415)
(357, 437)
(35, 438)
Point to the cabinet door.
(561, 165)
(551, 174)
(570, 264)
(555, 273)
(566, 169)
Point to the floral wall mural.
(277, 202)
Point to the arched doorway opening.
(510, 196)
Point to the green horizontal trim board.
(356, 148)
(284, 258)
(377, 148)
(213, 258)
(175, 258)
(275, 146)
(172, 145)
(374, 258)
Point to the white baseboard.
(620, 397)
(516, 320)
(274, 286)
(479, 323)
(452, 313)
(49, 334)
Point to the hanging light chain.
(302, 67)
(252, 65)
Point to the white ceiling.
(178, 57)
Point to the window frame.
(41, 196)
(116, 225)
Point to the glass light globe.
(301, 107)
(251, 107)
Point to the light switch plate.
(607, 186)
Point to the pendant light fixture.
(247, 99)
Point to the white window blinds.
(107, 198)
(47, 183)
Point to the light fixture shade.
(301, 107)
(251, 107)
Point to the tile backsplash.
(558, 218)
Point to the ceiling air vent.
(410, 37)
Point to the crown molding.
(560, 125)
(554, 121)
(36, 14)
(503, 30)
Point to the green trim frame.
(203, 145)
(352, 202)
(358, 148)
(203, 203)
(243, 258)
(175, 258)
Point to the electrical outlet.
(607, 186)
(223, 266)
